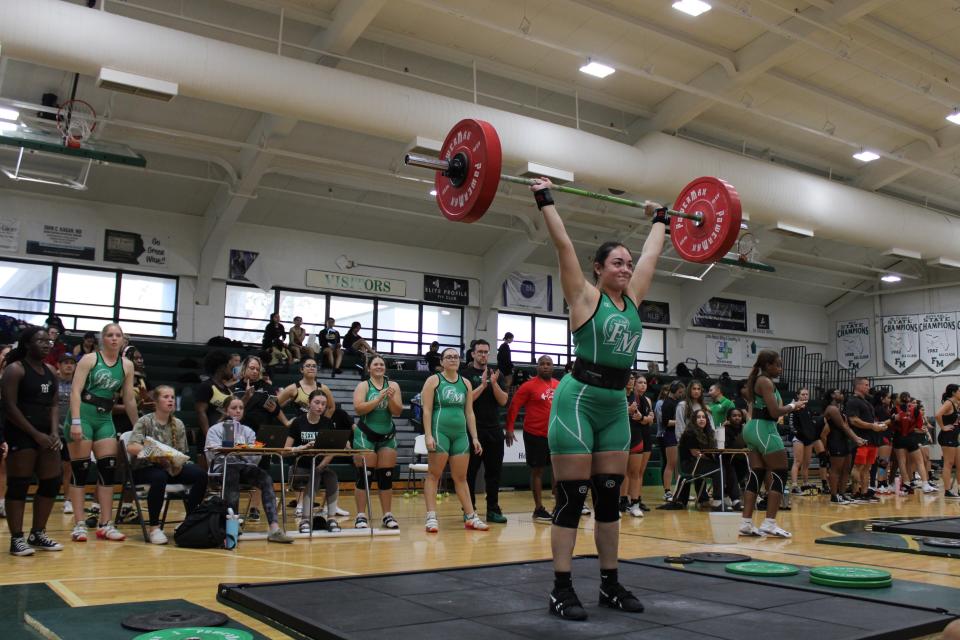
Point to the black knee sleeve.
(778, 482)
(385, 479)
(571, 494)
(824, 458)
(49, 488)
(80, 470)
(17, 488)
(364, 481)
(753, 482)
(106, 470)
(606, 497)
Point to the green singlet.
(761, 435)
(379, 420)
(448, 423)
(588, 419)
(104, 382)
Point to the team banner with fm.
(901, 341)
(938, 340)
(853, 343)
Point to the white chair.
(173, 491)
(419, 452)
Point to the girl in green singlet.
(99, 378)
(768, 458)
(589, 430)
(451, 431)
(376, 401)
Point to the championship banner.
(938, 340)
(722, 350)
(244, 265)
(528, 291)
(901, 341)
(853, 343)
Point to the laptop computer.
(273, 436)
(332, 438)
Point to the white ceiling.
(799, 83)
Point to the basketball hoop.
(76, 122)
(746, 247)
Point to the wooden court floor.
(100, 572)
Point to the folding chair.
(173, 491)
(683, 479)
(419, 452)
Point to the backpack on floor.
(205, 527)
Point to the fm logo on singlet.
(452, 396)
(104, 380)
(616, 333)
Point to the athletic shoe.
(667, 496)
(564, 603)
(431, 524)
(747, 529)
(496, 517)
(475, 523)
(39, 540)
(771, 529)
(298, 513)
(390, 522)
(672, 506)
(951, 494)
(929, 488)
(254, 515)
(361, 522)
(157, 537)
(3, 509)
(636, 512)
(304, 526)
(643, 507)
(797, 491)
(18, 547)
(333, 526)
(585, 511)
(624, 504)
(542, 515)
(109, 532)
(128, 515)
(79, 533)
(619, 597)
(341, 513)
(67, 508)
(737, 505)
(277, 535)
(94, 508)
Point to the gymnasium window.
(391, 326)
(86, 299)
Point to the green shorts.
(96, 425)
(587, 419)
(762, 436)
(361, 441)
(452, 442)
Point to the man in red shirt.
(536, 397)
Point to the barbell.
(704, 221)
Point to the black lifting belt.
(598, 375)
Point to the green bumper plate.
(211, 633)
(850, 574)
(762, 569)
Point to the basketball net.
(76, 122)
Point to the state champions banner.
(901, 341)
(853, 343)
(938, 340)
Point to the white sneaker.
(67, 507)
(342, 513)
(771, 529)
(110, 532)
(298, 513)
(635, 510)
(929, 488)
(431, 524)
(79, 533)
(157, 537)
(747, 529)
(585, 511)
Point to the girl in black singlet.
(836, 436)
(31, 417)
(947, 438)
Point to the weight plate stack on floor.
(850, 574)
(713, 556)
(852, 584)
(762, 569)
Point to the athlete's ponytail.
(949, 391)
(765, 358)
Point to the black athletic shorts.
(948, 438)
(669, 438)
(647, 434)
(806, 438)
(908, 442)
(839, 447)
(538, 451)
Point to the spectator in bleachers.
(31, 419)
(354, 344)
(298, 336)
(235, 361)
(273, 331)
(87, 345)
(279, 357)
(164, 427)
(211, 394)
(330, 347)
(640, 413)
(244, 469)
(300, 392)
(505, 360)
(260, 404)
(54, 320)
(433, 357)
(57, 349)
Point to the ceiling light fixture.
(954, 116)
(9, 114)
(891, 277)
(692, 7)
(866, 156)
(6, 127)
(433, 192)
(596, 69)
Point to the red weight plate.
(710, 239)
(479, 143)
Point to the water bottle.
(228, 439)
(721, 437)
(233, 530)
(237, 433)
